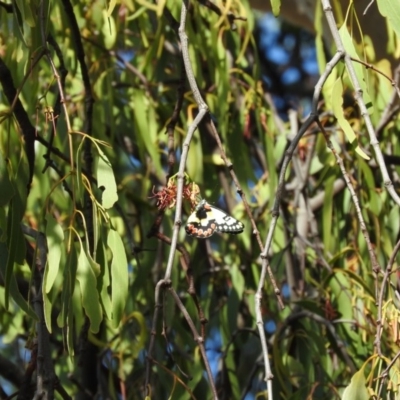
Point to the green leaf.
(375, 203)
(6, 188)
(327, 210)
(237, 280)
(66, 317)
(195, 164)
(103, 280)
(109, 31)
(26, 12)
(145, 128)
(356, 390)
(358, 68)
(13, 286)
(111, 7)
(16, 243)
(393, 223)
(80, 190)
(55, 240)
(141, 338)
(391, 10)
(19, 299)
(89, 294)
(106, 180)
(47, 307)
(337, 102)
(276, 7)
(69, 280)
(119, 276)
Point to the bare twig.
(277, 202)
(358, 96)
(203, 109)
(372, 255)
(174, 120)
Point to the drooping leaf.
(276, 7)
(109, 30)
(391, 10)
(111, 7)
(88, 288)
(15, 243)
(356, 390)
(104, 280)
(13, 291)
(358, 68)
(55, 240)
(119, 276)
(106, 180)
(337, 102)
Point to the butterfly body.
(207, 219)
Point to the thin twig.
(363, 108)
(364, 230)
(203, 109)
(275, 210)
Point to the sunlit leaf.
(104, 280)
(391, 10)
(88, 289)
(55, 239)
(356, 390)
(111, 7)
(106, 181)
(109, 30)
(276, 7)
(337, 102)
(358, 68)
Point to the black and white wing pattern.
(207, 219)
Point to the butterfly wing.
(207, 219)
(200, 223)
(226, 223)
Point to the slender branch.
(198, 339)
(203, 109)
(275, 211)
(174, 120)
(358, 96)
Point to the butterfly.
(207, 219)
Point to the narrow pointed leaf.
(106, 181)
(89, 294)
(119, 276)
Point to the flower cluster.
(166, 197)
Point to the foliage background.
(79, 272)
